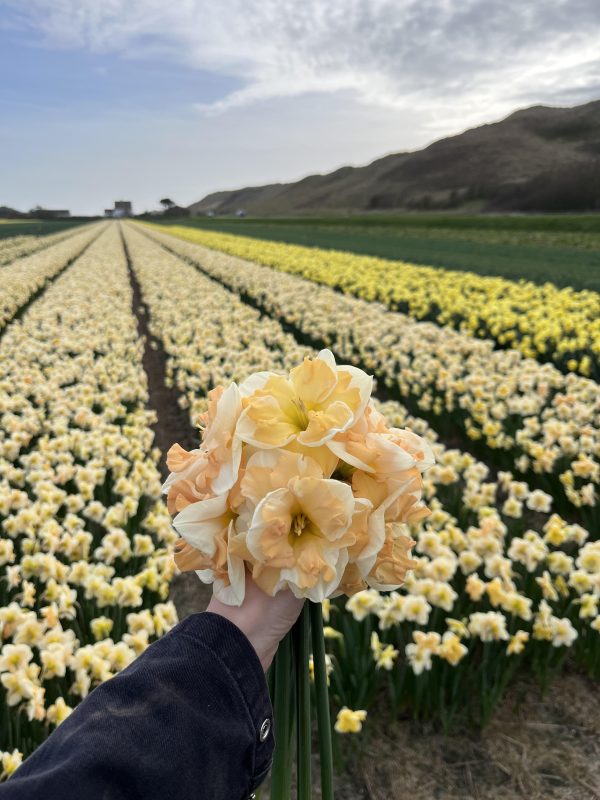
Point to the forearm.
(184, 720)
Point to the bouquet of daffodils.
(299, 480)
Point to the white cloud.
(320, 83)
(467, 58)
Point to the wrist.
(249, 627)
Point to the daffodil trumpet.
(299, 480)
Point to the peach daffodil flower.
(371, 446)
(317, 401)
(393, 559)
(213, 468)
(304, 530)
(402, 499)
(208, 546)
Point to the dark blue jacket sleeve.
(190, 718)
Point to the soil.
(172, 422)
(535, 747)
(172, 425)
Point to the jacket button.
(265, 729)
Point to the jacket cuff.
(240, 659)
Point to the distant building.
(122, 209)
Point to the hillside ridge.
(536, 158)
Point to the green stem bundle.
(289, 684)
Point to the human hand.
(264, 620)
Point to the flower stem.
(281, 772)
(303, 736)
(323, 719)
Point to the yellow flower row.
(542, 322)
(85, 539)
(480, 556)
(526, 416)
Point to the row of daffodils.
(501, 583)
(23, 277)
(520, 415)
(543, 322)
(85, 540)
(18, 246)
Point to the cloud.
(478, 57)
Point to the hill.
(537, 159)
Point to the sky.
(103, 100)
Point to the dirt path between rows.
(172, 425)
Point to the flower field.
(508, 563)
(85, 538)
(14, 247)
(25, 276)
(541, 321)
